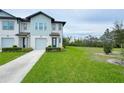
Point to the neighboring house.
(38, 31)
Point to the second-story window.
(40, 26)
(25, 26)
(8, 25)
(36, 26)
(45, 27)
(59, 27)
(54, 27)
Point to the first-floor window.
(8, 25)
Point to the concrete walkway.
(16, 70)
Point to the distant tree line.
(88, 41)
(114, 38)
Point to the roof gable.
(5, 14)
(38, 13)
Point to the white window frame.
(59, 27)
(25, 26)
(41, 26)
(8, 25)
(54, 27)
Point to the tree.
(107, 41)
(119, 36)
(91, 41)
(107, 36)
(119, 33)
(66, 41)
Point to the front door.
(23, 40)
(54, 42)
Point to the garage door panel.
(7, 42)
(40, 43)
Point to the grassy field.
(75, 65)
(8, 56)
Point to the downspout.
(19, 26)
(19, 31)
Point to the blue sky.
(81, 22)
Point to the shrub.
(49, 46)
(14, 46)
(64, 46)
(107, 48)
(26, 49)
(48, 49)
(16, 49)
(12, 49)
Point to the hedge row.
(16, 49)
(26, 49)
(48, 49)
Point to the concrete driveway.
(16, 70)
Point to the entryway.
(24, 42)
(54, 41)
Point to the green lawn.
(75, 64)
(8, 56)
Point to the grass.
(8, 56)
(74, 65)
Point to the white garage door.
(40, 43)
(7, 42)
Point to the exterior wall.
(31, 28)
(22, 27)
(27, 42)
(9, 33)
(60, 32)
(16, 39)
(57, 27)
(40, 19)
(40, 33)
